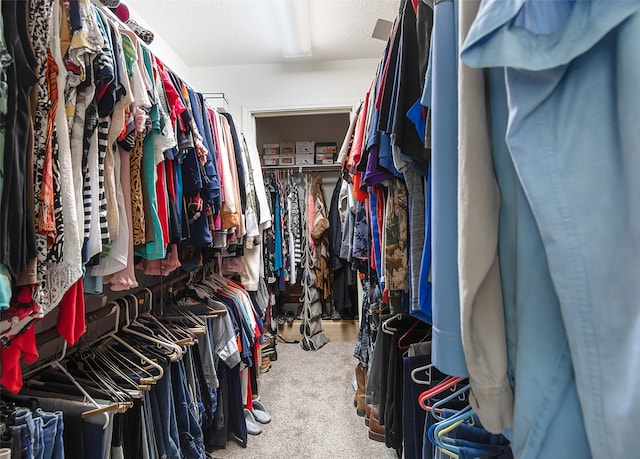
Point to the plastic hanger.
(386, 327)
(427, 370)
(436, 407)
(406, 334)
(444, 385)
(438, 430)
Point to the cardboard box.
(304, 147)
(304, 159)
(326, 148)
(270, 160)
(271, 148)
(287, 160)
(287, 148)
(324, 159)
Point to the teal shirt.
(154, 250)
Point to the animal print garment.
(137, 204)
(40, 12)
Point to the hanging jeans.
(52, 430)
(191, 440)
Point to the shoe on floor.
(260, 413)
(266, 365)
(252, 426)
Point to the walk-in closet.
(319, 229)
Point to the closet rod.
(215, 95)
(305, 168)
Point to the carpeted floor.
(310, 398)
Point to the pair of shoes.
(290, 317)
(252, 426)
(260, 412)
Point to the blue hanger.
(439, 403)
(435, 429)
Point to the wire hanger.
(114, 335)
(99, 408)
(131, 306)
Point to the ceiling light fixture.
(292, 17)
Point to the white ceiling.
(234, 32)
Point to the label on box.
(326, 148)
(287, 160)
(304, 159)
(324, 159)
(271, 148)
(287, 148)
(304, 147)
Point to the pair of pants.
(475, 442)
(26, 433)
(52, 443)
(164, 417)
(83, 438)
(191, 438)
(413, 416)
(38, 434)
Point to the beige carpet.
(310, 398)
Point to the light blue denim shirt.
(571, 80)
(441, 95)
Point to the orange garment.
(46, 217)
(356, 149)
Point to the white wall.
(286, 86)
(163, 50)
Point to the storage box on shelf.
(326, 148)
(287, 160)
(324, 158)
(305, 147)
(287, 148)
(271, 148)
(270, 160)
(303, 159)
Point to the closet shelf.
(306, 167)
